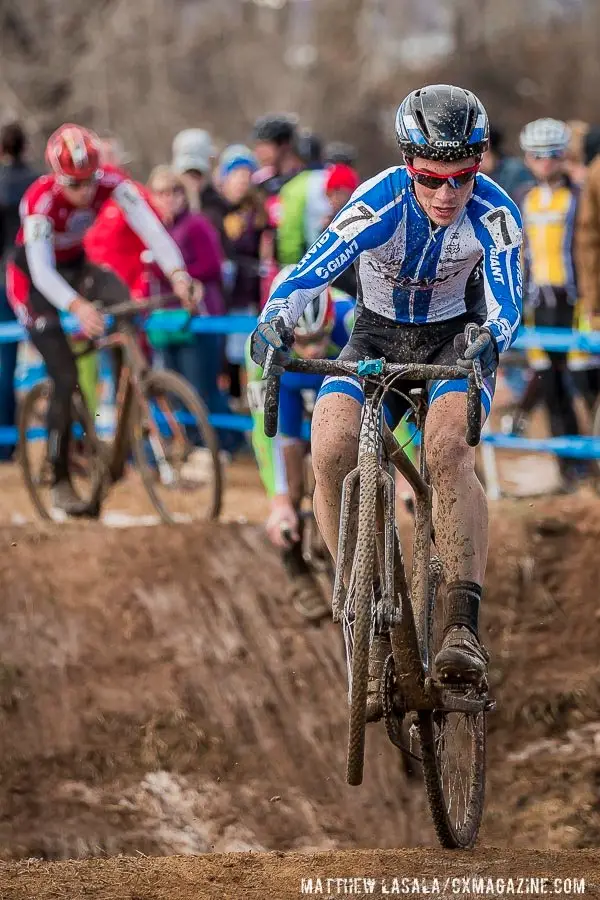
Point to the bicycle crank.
(394, 716)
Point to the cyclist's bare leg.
(334, 445)
(461, 525)
(461, 528)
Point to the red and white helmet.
(73, 154)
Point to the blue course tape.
(582, 447)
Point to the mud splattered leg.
(461, 520)
(334, 443)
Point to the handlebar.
(378, 367)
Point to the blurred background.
(146, 70)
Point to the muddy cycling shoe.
(461, 657)
(65, 499)
(307, 599)
(380, 650)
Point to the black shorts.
(374, 336)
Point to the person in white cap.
(193, 158)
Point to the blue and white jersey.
(410, 271)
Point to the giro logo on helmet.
(446, 143)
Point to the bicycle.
(436, 713)
(160, 419)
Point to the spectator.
(339, 152)
(15, 177)
(549, 211)
(193, 159)
(242, 224)
(196, 356)
(507, 171)
(317, 206)
(575, 163)
(591, 144)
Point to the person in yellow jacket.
(549, 211)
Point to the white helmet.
(545, 137)
(319, 315)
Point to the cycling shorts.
(375, 336)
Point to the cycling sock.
(462, 605)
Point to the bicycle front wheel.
(359, 607)
(453, 747)
(176, 450)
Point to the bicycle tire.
(362, 580)
(168, 382)
(451, 835)
(26, 410)
(38, 392)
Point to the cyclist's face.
(80, 195)
(314, 350)
(443, 205)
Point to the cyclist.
(50, 273)
(322, 330)
(439, 247)
(549, 214)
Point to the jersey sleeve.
(499, 230)
(148, 227)
(368, 220)
(39, 249)
(268, 451)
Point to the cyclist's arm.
(500, 234)
(39, 250)
(149, 228)
(369, 219)
(268, 452)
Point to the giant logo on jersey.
(334, 264)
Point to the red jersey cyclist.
(50, 273)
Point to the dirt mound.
(157, 696)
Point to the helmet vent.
(422, 123)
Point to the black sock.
(462, 606)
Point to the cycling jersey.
(297, 393)
(52, 234)
(411, 272)
(549, 225)
(112, 243)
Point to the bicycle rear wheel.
(85, 467)
(176, 450)
(453, 748)
(359, 607)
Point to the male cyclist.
(50, 272)
(438, 247)
(322, 330)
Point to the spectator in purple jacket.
(241, 218)
(196, 356)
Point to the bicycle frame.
(404, 609)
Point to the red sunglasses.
(454, 179)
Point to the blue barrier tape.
(582, 447)
(560, 340)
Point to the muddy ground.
(157, 696)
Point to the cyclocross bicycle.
(447, 723)
(160, 421)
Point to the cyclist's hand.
(277, 335)
(282, 524)
(484, 348)
(184, 289)
(90, 320)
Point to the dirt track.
(278, 876)
(157, 697)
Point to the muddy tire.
(453, 748)
(361, 582)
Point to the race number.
(352, 221)
(502, 227)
